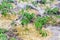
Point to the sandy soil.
(30, 33)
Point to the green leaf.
(2, 30)
(27, 17)
(43, 1)
(40, 21)
(3, 37)
(5, 7)
(55, 10)
(43, 33)
(25, 21)
(11, 1)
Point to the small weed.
(26, 18)
(43, 1)
(11, 1)
(40, 21)
(3, 37)
(5, 8)
(43, 33)
(3, 30)
(52, 11)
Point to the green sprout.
(5, 8)
(27, 17)
(43, 33)
(43, 1)
(40, 21)
(52, 11)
